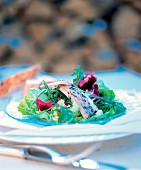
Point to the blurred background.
(61, 34)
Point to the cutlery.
(48, 155)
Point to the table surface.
(124, 151)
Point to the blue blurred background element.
(61, 34)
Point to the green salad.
(85, 100)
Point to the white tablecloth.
(124, 151)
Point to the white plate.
(57, 140)
(66, 134)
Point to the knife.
(48, 155)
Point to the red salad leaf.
(87, 82)
(94, 89)
(41, 105)
(94, 93)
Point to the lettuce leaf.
(28, 104)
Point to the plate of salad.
(60, 107)
(86, 100)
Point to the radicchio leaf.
(41, 105)
(87, 82)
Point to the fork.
(45, 154)
(48, 155)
